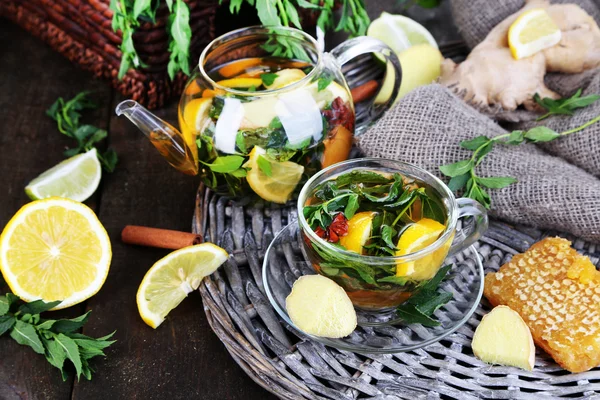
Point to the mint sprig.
(57, 340)
(463, 173)
(565, 106)
(67, 113)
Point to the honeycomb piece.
(557, 293)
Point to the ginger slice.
(320, 307)
(503, 338)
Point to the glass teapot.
(264, 110)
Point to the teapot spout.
(169, 142)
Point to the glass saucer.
(377, 332)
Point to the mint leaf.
(458, 168)
(267, 12)
(264, 165)
(71, 351)
(25, 334)
(458, 182)
(268, 78)
(55, 353)
(352, 206)
(475, 143)
(411, 315)
(70, 325)
(6, 322)
(38, 306)
(541, 134)
(496, 182)
(397, 280)
(4, 305)
(431, 301)
(323, 83)
(225, 164)
(564, 106)
(515, 138)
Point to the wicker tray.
(293, 368)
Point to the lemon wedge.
(170, 279)
(399, 32)
(76, 177)
(286, 77)
(55, 249)
(359, 231)
(279, 185)
(241, 83)
(531, 33)
(416, 237)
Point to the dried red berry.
(320, 232)
(340, 114)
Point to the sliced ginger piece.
(503, 338)
(320, 307)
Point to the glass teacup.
(409, 271)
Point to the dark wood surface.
(182, 359)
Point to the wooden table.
(182, 358)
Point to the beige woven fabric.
(426, 127)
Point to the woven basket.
(81, 31)
(292, 367)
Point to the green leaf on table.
(431, 301)
(25, 334)
(496, 182)
(475, 143)
(38, 306)
(55, 353)
(70, 325)
(6, 323)
(109, 160)
(225, 164)
(564, 106)
(541, 134)
(458, 182)
(268, 78)
(4, 305)
(457, 168)
(71, 351)
(264, 165)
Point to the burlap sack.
(475, 18)
(426, 127)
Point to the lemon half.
(55, 249)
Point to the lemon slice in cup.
(55, 249)
(76, 177)
(417, 237)
(277, 187)
(171, 278)
(531, 33)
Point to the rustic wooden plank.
(33, 76)
(182, 358)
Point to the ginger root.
(490, 78)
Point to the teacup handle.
(470, 234)
(362, 45)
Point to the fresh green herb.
(464, 176)
(324, 82)
(419, 308)
(126, 18)
(225, 164)
(564, 106)
(67, 115)
(268, 78)
(57, 340)
(264, 165)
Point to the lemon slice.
(171, 278)
(399, 32)
(286, 77)
(55, 249)
(416, 237)
(77, 178)
(359, 231)
(193, 121)
(531, 33)
(241, 83)
(283, 180)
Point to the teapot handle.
(362, 45)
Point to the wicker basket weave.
(291, 367)
(81, 31)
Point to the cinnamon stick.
(364, 91)
(162, 238)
